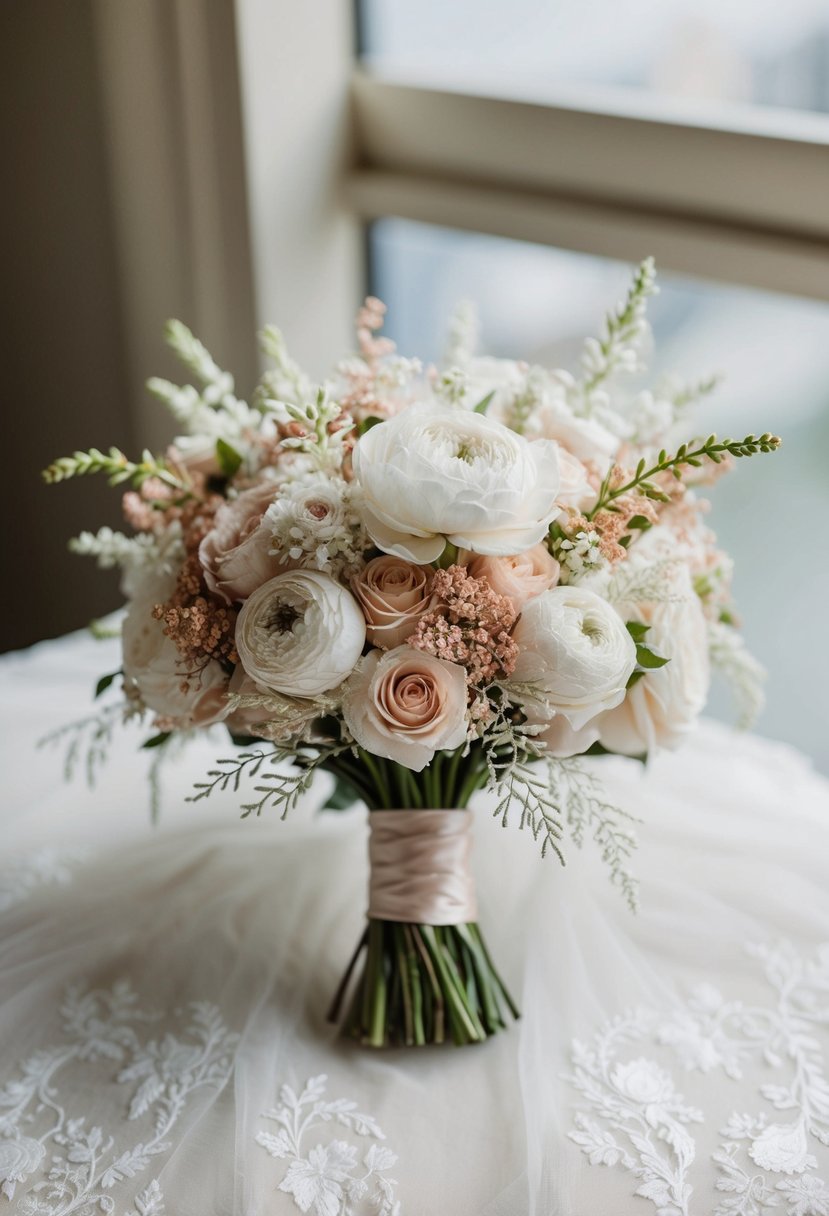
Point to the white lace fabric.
(163, 1048)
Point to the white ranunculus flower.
(575, 651)
(301, 633)
(665, 704)
(436, 473)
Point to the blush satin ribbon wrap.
(420, 871)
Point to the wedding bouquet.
(425, 582)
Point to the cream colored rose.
(575, 651)
(575, 489)
(562, 741)
(154, 669)
(235, 552)
(301, 634)
(520, 577)
(394, 595)
(406, 705)
(435, 473)
(664, 705)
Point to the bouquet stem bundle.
(418, 983)
(422, 984)
(380, 577)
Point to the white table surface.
(160, 986)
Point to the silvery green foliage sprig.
(212, 409)
(737, 665)
(618, 349)
(285, 381)
(118, 468)
(324, 429)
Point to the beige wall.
(124, 202)
(62, 372)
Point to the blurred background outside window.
(759, 52)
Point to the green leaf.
(648, 659)
(228, 458)
(367, 424)
(634, 678)
(342, 796)
(105, 681)
(244, 740)
(637, 630)
(484, 404)
(639, 523)
(156, 740)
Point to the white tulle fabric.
(163, 1047)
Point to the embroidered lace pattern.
(52, 1161)
(46, 866)
(635, 1117)
(330, 1177)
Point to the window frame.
(609, 178)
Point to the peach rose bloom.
(235, 553)
(406, 705)
(394, 595)
(520, 577)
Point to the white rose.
(575, 489)
(406, 705)
(584, 438)
(155, 670)
(436, 473)
(575, 650)
(300, 633)
(663, 706)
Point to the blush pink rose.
(394, 595)
(520, 577)
(235, 553)
(406, 705)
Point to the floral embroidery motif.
(642, 1122)
(47, 866)
(328, 1179)
(81, 1165)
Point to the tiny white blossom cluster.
(580, 556)
(314, 521)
